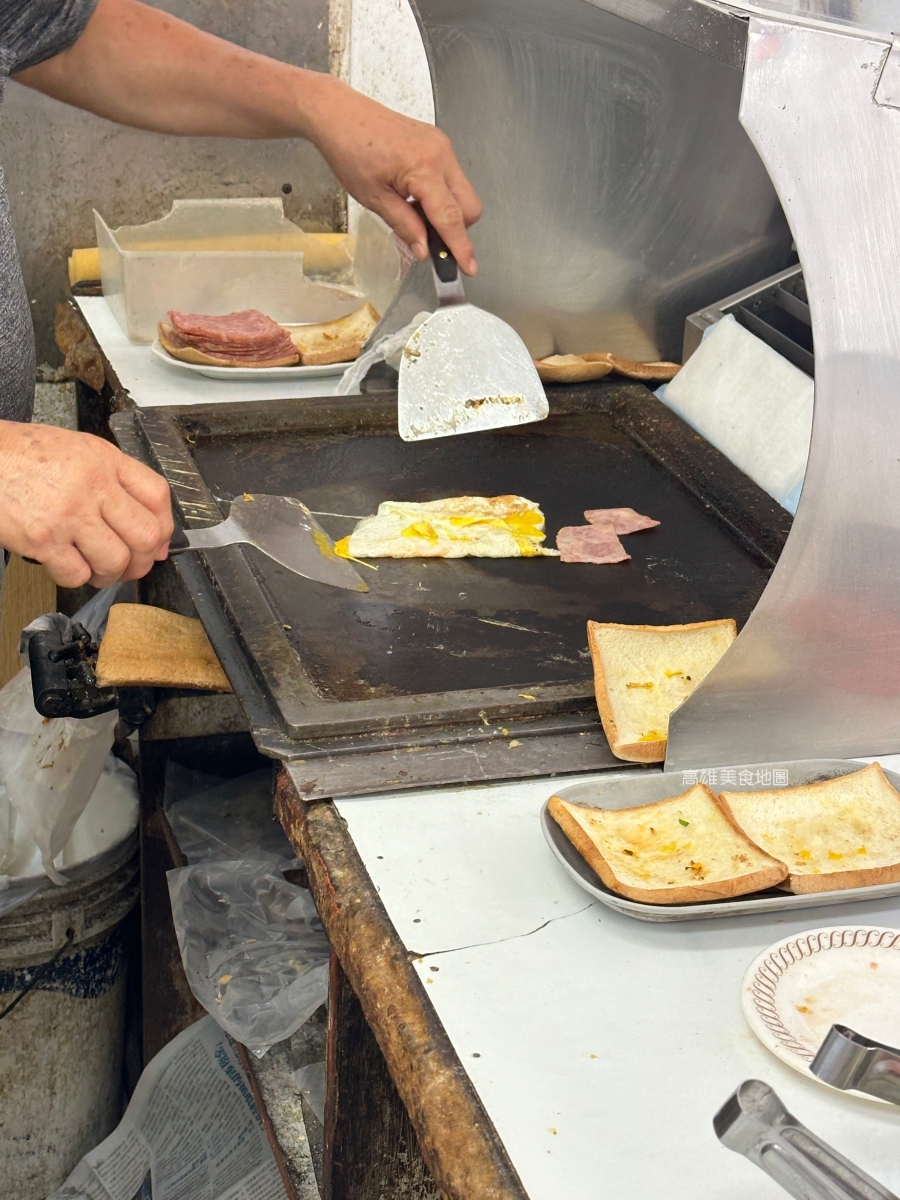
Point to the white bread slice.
(191, 355)
(839, 833)
(677, 851)
(643, 672)
(334, 341)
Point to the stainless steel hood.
(621, 191)
(818, 664)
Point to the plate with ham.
(250, 345)
(213, 371)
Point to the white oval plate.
(244, 373)
(797, 989)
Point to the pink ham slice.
(247, 330)
(247, 338)
(595, 543)
(623, 520)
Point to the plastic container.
(220, 256)
(61, 1047)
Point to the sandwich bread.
(643, 672)
(839, 833)
(334, 341)
(677, 851)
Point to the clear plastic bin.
(220, 256)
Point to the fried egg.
(459, 527)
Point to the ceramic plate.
(245, 373)
(797, 989)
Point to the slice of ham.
(249, 329)
(623, 520)
(276, 350)
(595, 543)
(241, 339)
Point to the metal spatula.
(464, 369)
(284, 529)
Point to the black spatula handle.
(445, 265)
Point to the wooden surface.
(457, 1140)
(371, 1148)
(28, 591)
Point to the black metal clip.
(64, 680)
(63, 677)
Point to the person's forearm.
(142, 67)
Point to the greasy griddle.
(459, 644)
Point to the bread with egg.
(683, 850)
(834, 834)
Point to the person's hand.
(146, 68)
(382, 158)
(78, 505)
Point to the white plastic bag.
(49, 766)
(231, 819)
(312, 1085)
(253, 948)
(387, 349)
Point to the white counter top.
(151, 383)
(601, 1046)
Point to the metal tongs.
(848, 1060)
(755, 1123)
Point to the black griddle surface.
(445, 625)
(447, 652)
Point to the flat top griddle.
(444, 649)
(431, 625)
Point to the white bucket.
(61, 1046)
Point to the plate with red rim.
(249, 373)
(800, 986)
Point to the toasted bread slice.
(643, 672)
(334, 341)
(572, 368)
(839, 833)
(190, 355)
(146, 646)
(677, 851)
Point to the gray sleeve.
(35, 30)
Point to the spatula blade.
(283, 528)
(465, 370)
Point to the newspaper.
(191, 1132)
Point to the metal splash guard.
(816, 670)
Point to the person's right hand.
(81, 507)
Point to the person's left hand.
(382, 158)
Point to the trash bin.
(61, 1045)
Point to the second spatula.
(463, 369)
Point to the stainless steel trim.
(816, 669)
